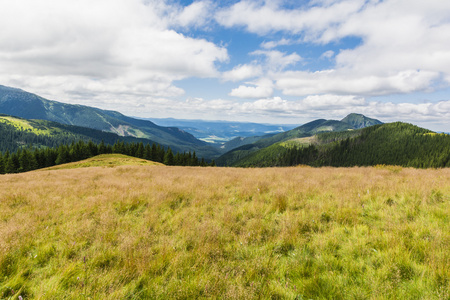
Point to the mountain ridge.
(17, 102)
(309, 129)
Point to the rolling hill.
(22, 104)
(350, 122)
(390, 144)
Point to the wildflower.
(20, 298)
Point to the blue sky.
(273, 61)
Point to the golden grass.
(106, 160)
(158, 232)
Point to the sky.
(272, 61)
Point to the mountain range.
(351, 122)
(16, 102)
(30, 120)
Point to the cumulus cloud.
(405, 44)
(276, 60)
(242, 72)
(101, 46)
(263, 17)
(302, 83)
(262, 88)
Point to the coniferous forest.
(390, 144)
(28, 159)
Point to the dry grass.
(156, 232)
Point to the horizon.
(262, 61)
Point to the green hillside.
(22, 104)
(17, 133)
(350, 122)
(391, 144)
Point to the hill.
(391, 144)
(157, 232)
(350, 122)
(22, 104)
(17, 133)
(106, 161)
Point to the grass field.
(157, 232)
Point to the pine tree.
(63, 155)
(168, 157)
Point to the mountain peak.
(360, 121)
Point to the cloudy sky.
(273, 61)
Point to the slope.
(350, 122)
(17, 133)
(19, 103)
(391, 144)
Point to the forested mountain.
(350, 122)
(360, 121)
(27, 145)
(391, 144)
(18, 133)
(22, 104)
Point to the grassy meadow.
(136, 231)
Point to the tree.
(63, 155)
(168, 157)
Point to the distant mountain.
(22, 104)
(221, 132)
(390, 144)
(360, 121)
(350, 122)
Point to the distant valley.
(220, 132)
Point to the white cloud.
(327, 54)
(262, 88)
(244, 91)
(302, 83)
(327, 102)
(276, 60)
(405, 44)
(273, 44)
(194, 15)
(268, 16)
(242, 72)
(117, 47)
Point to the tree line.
(28, 159)
(394, 144)
(389, 144)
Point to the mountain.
(18, 133)
(360, 121)
(220, 132)
(390, 144)
(22, 104)
(350, 122)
